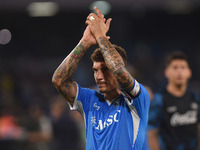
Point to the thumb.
(108, 37)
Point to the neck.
(112, 94)
(175, 90)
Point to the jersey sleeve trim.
(75, 105)
(135, 91)
(136, 120)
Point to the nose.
(180, 70)
(99, 75)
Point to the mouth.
(101, 83)
(179, 78)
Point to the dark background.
(148, 30)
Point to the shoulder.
(158, 97)
(82, 90)
(193, 94)
(87, 92)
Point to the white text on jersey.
(109, 121)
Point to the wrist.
(85, 43)
(100, 36)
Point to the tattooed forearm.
(62, 76)
(79, 51)
(115, 64)
(124, 79)
(69, 65)
(68, 90)
(112, 58)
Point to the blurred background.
(35, 37)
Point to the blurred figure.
(146, 144)
(65, 130)
(40, 138)
(174, 112)
(81, 126)
(12, 135)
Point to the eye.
(104, 69)
(175, 67)
(183, 67)
(95, 70)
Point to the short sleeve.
(142, 102)
(82, 100)
(155, 112)
(139, 98)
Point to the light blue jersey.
(118, 126)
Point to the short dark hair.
(97, 55)
(176, 55)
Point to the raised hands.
(97, 27)
(98, 24)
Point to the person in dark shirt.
(65, 130)
(174, 112)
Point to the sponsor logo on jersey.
(95, 105)
(190, 117)
(109, 121)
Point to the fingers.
(87, 22)
(108, 23)
(108, 37)
(100, 15)
(93, 15)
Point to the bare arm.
(153, 139)
(115, 64)
(62, 76)
(112, 58)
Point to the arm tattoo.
(69, 88)
(124, 79)
(78, 51)
(69, 65)
(112, 58)
(115, 64)
(62, 76)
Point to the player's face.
(104, 78)
(178, 72)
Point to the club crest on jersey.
(194, 106)
(116, 103)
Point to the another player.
(174, 112)
(115, 117)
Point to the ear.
(166, 73)
(189, 73)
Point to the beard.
(102, 89)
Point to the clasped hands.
(98, 24)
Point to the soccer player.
(174, 112)
(115, 117)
